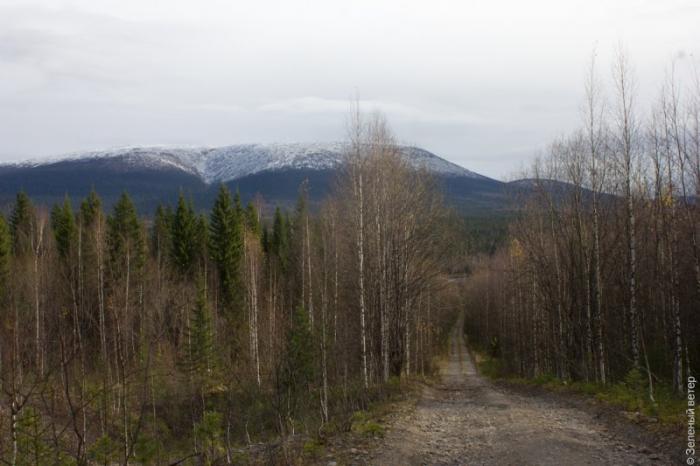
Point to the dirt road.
(465, 420)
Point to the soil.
(465, 419)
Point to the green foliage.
(280, 239)
(200, 361)
(300, 352)
(393, 385)
(237, 204)
(370, 429)
(631, 394)
(161, 236)
(667, 407)
(202, 238)
(494, 347)
(544, 379)
(124, 239)
(22, 224)
(5, 252)
(32, 448)
(296, 371)
(302, 207)
(301, 215)
(90, 209)
(265, 240)
(482, 234)
(635, 381)
(491, 368)
(64, 229)
(362, 422)
(185, 241)
(146, 449)
(226, 248)
(105, 450)
(252, 220)
(209, 435)
(312, 448)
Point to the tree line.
(600, 278)
(187, 335)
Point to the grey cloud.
(81, 74)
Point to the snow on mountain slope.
(227, 163)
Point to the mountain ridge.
(157, 174)
(226, 163)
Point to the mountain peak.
(226, 163)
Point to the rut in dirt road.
(465, 420)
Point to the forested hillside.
(185, 335)
(273, 172)
(601, 284)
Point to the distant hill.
(153, 175)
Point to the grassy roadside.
(631, 395)
(352, 438)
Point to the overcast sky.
(485, 84)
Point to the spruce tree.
(201, 239)
(300, 350)
(64, 228)
(265, 240)
(252, 221)
(90, 209)
(5, 252)
(237, 204)
(296, 371)
(280, 238)
(200, 361)
(161, 236)
(226, 248)
(32, 448)
(184, 237)
(124, 239)
(22, 224)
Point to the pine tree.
(22, 224)
(226, 248)
(184, 236)
(64, 228)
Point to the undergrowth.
(631, 393)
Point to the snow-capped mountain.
(222, 164)
(157, 174)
